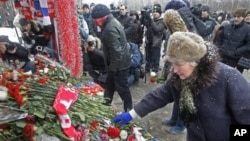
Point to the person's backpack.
(139, 70)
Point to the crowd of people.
(205, 55)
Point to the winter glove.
(122, 119)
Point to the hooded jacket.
(221, 96)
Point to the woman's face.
(183, 69)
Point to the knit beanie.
(176, 4)
(241, 12)
(185, 46)
(205, 7)
(99, 11)
(157, 8)
(23, 22)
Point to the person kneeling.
(15, 55)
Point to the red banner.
(65, 97)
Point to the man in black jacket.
(234, 40)
(126, 21)
(116, 55)
(16, 56)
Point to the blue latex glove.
(122, 119)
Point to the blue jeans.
(176, 117)
(29, 66)
(131, 79)
(153, 55)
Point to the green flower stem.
(55, 132)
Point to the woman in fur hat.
(211, 96)
(174, 23)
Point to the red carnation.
(4, 126)
(20, 100)
(93, 126)
(131, 137)
(113, 132)
(28, 130)
(152, 79)
(30, 119)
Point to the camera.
(115, 11)
(145, 16)
(196, 10)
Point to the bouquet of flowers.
(53, 103)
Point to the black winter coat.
(115, 47)
(21, 55)
(128, 24)
(234, 41)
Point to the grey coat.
(115, 47)
(155, 32)
(222, 99)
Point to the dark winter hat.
(157, 8)
(23, 22)
(175, 4)
(4, 38)
(92, 4)
(99, 11)
(133, 12)
(185, 46)
(205, 7)
(241, 12)
(85, 6)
